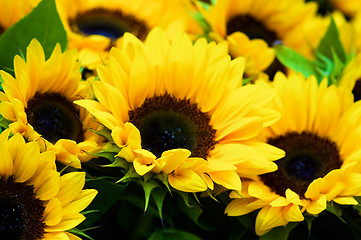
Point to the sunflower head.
(319, 131)
(178, 111)
(38, 102)
(94, 27)
(251, 28)
(36, 202)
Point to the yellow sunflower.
(251, 27)
(36, 202)
(11, 12)
(179, 109)
(320, 132)
(38, 102)
(93, 27)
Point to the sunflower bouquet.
(180, 119)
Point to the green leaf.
(79, 233)
(294, 60)
(43, 23)
(4, 123)
(279, 233)
(158, 196)
(335, 210)
(131, 173)
(174, 234)
(190, 207)
(1, 83)
(105, 132)
(118, 162)
(163, 177)
(337, 70)
(148, 187)
(331, 40)
(309, 219)
(108, 194)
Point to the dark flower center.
(111, 24)
(308, 157)
(166, 122)
(21, 212)
(252, 27)
(2, 30)
(325, 7)
(275, 66)
(54, 117)
(356, 91)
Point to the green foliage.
(331, 42)
(174, 234)
(192, 209)
(4, 124)
(330, 57)
(108, 194)
(336, 210)
(159, 196)
(80, 233)
(148, 187)
(294, 60)
(43, 23)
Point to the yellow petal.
(49, 183)
(293, 213)
(80, 202)
(279, 202)
(6, 163)
(26, 162)
(268, 218)
(55, 236)
(126, 153)
(53, 212)
(67, 152)
(315, 207)
(228, 179)
(173, 158)
(345, 200)
(293, 197)
(7, 111)
(68, 222)
(72, 236)
(142, 166)
(238, 207)
(70, 186)
(99, 112)
(187, 180)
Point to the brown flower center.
(356, 91)
(308, 157)
(21, 212)
(54, 117)
(166, 122)
(254, 28)
(109, 23)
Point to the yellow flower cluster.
(187, 93)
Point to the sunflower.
(36, 202)
(320, 133)
(11, 12)
(179, 109)
(93, 27)
(38, 102)
(251, 27)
